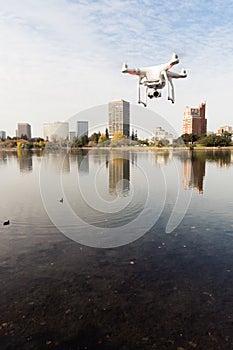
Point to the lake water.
(116, 249)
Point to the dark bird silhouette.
(7, 222)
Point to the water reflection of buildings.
(119, 175)
(24, 161)
(133, 158)
(162, 158)
(3, 157)
(57, 162)
(83, 161)
(194, 172)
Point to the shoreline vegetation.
(120, 141)
(125, 148)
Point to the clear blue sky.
(59, 57)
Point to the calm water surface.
(165, 277)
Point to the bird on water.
(7, 222)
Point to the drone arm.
(170, 85)
(133, 71)
(139, 93)
(171, 96)
(164, 73)
(172, 62)
(174, 75)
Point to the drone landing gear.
(171, 96)
(170, 99)
(143, 103)
(139, 95)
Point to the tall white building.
(56, 131)
(82, 128)
(118, 117)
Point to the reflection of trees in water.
(24, 160)
(3, 156)
(56, 161)
(194, 165)
(162, 158)
(221, 157)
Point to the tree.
(41, 143)
(95, 137)
(84, 140)
(24, 136)
(178, 142)
(19, 144)
(102, 138)
(81, 141)
(29, 145)
(119, 139)
(107, 134)
(118, 135)
(144, 142)
(226, 139)
(217, 140)
(187, 138)
(163, 143)
(132, 135)
(78, 142)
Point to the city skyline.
(226, 127)
(51, 72)
(85, 123)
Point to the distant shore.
(125, 148)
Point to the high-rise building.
(119, 117)
(194, 121)
(56, 131)
(23, 129)
(82, 128)
(2, 135)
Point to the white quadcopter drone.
(155, 78)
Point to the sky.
(61, 57)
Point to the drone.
(154, 79)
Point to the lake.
(116, 249)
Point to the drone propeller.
(174, 56)
(124, 67)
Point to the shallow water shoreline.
(125, 148)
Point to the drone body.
(155, 78)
